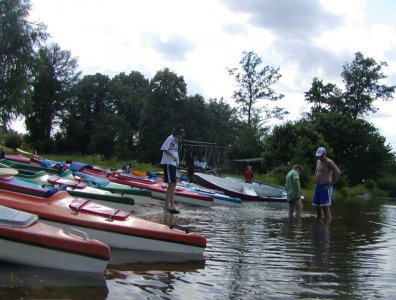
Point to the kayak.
(157, 187)
(42, 182)
(219, 198)
(25, 240)
(243, 190)
(77, 185)
(117, 228)
(32, 167)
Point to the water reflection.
(254, 252)
(320, 237)
(137, 260)
(21, 282)
(132, 274)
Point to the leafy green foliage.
(254, 84)
(12, 140)
(388, 183)
(356, 145)
(160, 113)
(128, 93)
(292, 143)
(54, 76)
(324, 97)
(362, 87)
(18, 37)
(91, 98)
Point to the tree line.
(128, 116)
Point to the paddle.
(26, 152)
(5, 172)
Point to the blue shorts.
(169, 173)
(322, 197)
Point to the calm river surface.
(253, 252)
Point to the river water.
(253, 252)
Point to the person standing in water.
(293, 189)
(170, 156)
(326, 175)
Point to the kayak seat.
(59, 180)
(15, 218)
(86, 206)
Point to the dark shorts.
(294, 200)
(322, 197)
(169, 173)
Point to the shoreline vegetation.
(365, 191)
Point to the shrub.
(388, 183)
(13, 140)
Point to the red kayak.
(18, 158)
(157, 187)
(26, 241)
(118, 229)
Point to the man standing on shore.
(326, 175)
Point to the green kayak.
(120, 196)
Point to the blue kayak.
(219, 198)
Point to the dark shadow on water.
(139, 260)
(22, 282)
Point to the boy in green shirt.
(293, 189)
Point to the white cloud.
(199, 40)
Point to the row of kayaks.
(71, 220)
(96, 179)
(70, 216)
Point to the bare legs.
(326, 211)
(170, 196)
(295, 204)
(323, 212)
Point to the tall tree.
(91, 99)
(161, 112)
(362, 85)
(254, 84)
(291, 143)
(222, 122)
(357, 146)
(362, 80)
(195, 118)
(18, 38)
(128, 92)
(338, 116)
(324, 97)
(55, 74)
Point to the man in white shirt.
(169, 160)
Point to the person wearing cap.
(293, 189)
(326, 175)
(169, 160)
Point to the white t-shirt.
(171, 144)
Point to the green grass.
(98, 160)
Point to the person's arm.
(297, 186)
(335, 172)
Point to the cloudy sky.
(200, 39)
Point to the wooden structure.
(210, 152)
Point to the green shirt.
(292, 191)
